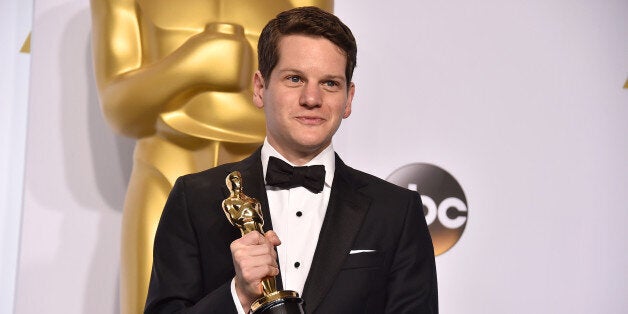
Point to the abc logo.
(444, 202)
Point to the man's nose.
(311, 95)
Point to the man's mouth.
(310, 120)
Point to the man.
(351, 243)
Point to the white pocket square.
(360, 251)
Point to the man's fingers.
(272, 237)
(256, 274)
(255, 238)
(239, 246)
(252, 238)
(248, 254)
(272, 271)
(246, 258)
(254, 258)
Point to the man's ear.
(350, 94)
(258, 89)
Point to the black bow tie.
(280, 174)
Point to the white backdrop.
(521, 101)
(14, 74)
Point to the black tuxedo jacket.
(192, 265)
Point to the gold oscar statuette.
(245, 213)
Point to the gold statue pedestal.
(279, 302)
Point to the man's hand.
(254, 258)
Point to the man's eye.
(294, 79)
(331, 83)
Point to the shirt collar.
(326, 158)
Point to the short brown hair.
(310, 21)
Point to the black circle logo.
(444, 203)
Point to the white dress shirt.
(297, 216)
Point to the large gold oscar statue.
(176, 75)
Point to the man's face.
(306, 96)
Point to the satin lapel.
(343, 219)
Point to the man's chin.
(302, 146)
(313, 147)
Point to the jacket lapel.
(343, 219)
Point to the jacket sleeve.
(176, 283)
(412, 285)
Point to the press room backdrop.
(14, 75)
(521, 102)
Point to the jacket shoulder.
(377, 187)
(206, 178)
